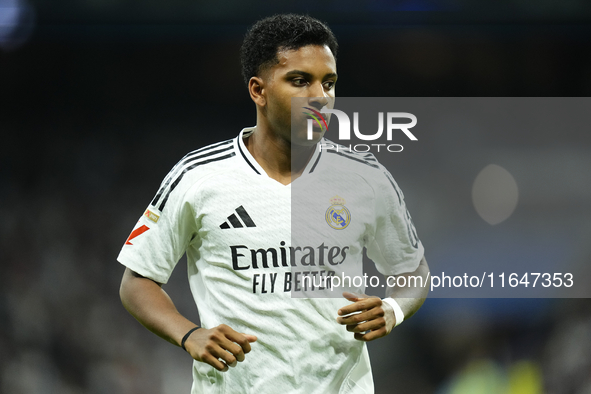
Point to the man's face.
(308, 72)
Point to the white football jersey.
(250, 240)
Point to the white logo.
(345, 125)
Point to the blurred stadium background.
(99, 98)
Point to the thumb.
(250, 338)
(353, 296)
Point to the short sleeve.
(395, 247)
(162, 234)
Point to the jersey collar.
(245, 153)
(255, 166)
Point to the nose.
(319, 97)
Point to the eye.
(299, 81)
(329, 84)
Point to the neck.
(279, 158)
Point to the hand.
(375, 316)
(221, 342)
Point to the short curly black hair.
(281, 32)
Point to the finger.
(353, 296)
(361, 305)
(357, 318)
(214, 362)
(220, 353)
(233, 348)
(370, 336)
(241, 339)
(372, 325)
(250, 338)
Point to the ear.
(256, 88)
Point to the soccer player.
(228, 207)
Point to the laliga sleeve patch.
(151, 215)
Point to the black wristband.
(187, 337)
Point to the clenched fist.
(221, 347)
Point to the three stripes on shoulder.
(234, 222)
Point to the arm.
(377, 316)
(145, 300)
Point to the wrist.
(398, 313)
(187, 335)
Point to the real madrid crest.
(337, 215)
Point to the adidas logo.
(235, 222)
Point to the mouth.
(315, 123)
(318, 121)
